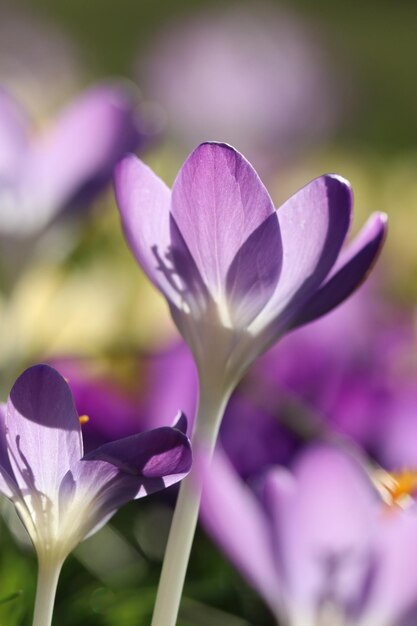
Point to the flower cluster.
(321, 539)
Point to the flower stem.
(185, 518)
(48, 574)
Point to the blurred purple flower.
(317, 543)
(260, 80)
(351, 376)
(238, 274)
(396, 439)
(61, 495)
(63, 165)
(114, 411)
(171, 381)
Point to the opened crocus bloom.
(238, 274)
(41, 173)
(317, 542)
(61, 495)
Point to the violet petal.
(218, 201)
(43, 429)
(349, 272)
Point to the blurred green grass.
(214, 593)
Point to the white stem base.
(48, 575)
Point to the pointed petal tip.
(122, 167)
(374, 232)
(340, 190)
(381, 220)
(217, 146)
(181, 422)
(215, 143)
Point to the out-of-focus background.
(301, 89)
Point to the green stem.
(48, 574)
(185, 518)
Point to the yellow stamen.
(398, 488)
(84, 419)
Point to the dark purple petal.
(235, 519)
(218, 201)
(144, 203)
(350, 271)
(314, 223)
(43, 429)
(254, 272)
(163, 455)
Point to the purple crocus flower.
(42, 173)
(259, 79)
(238, 274)
(61, 495)
(317, 543)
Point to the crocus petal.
(254, 272)
(181, 422)
(158, 458)
(349, 272)
(235, 519)
(81, 148)
(121, 471)
(44, 435)
(314, 223)
(144, 202)
(218, 203)
(392, 603)
(14, 132)
(90, 493)
(323, 524)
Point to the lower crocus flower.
(237, 275)
(318, 542)
(62, 496)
